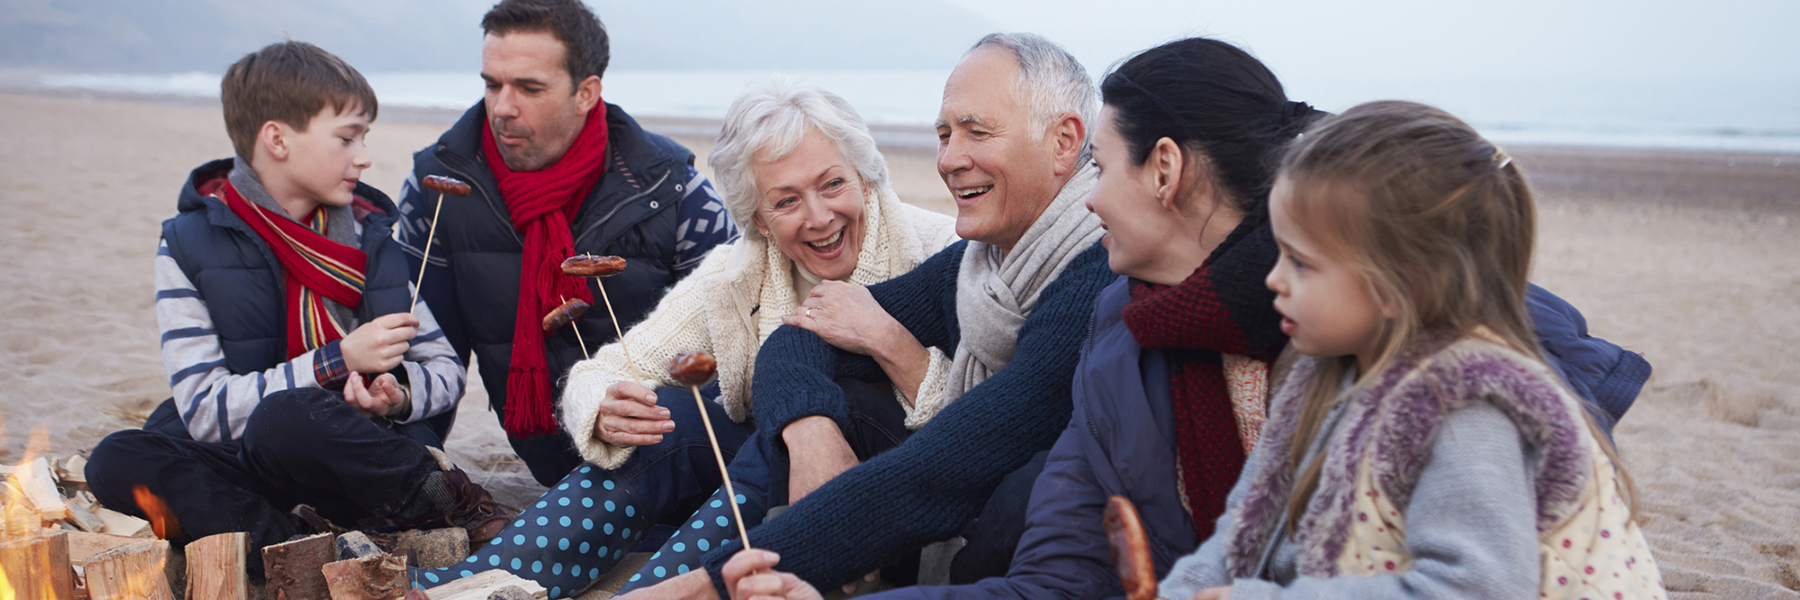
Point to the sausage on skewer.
(1130, 549)
(694, 369)
(570, 310)
(446, 185)
(589, 265)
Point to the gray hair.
(1050, 80)
(767, 122)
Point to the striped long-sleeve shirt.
(215, 403)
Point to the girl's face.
(1327, 307)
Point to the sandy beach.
(1692, 259)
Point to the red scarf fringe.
(543, 203)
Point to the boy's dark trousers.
(301, 446)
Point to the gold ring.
(809, 312)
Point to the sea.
(1727, 114)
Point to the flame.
(18, 521)
(162, 520)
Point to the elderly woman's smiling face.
(810, 206)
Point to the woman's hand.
(848, 318)
(751, 575)
(629, 416)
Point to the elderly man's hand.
(629, 416)
(751, 575)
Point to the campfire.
(58, 543)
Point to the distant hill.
(135, 36)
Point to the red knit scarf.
(1223, 308)
(543, 203)
(313, 267)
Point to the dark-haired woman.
(1170, 391)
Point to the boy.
(303, 377)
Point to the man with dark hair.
(556, 172)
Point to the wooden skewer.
(731, 495)
(425, 257)
(576, 325)
(615, 320)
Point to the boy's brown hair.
(288, 82)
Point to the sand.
(1691, 259)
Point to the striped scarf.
(314, 269)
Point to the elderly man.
(1007, 308)
(556, 172)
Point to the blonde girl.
(1422, 448)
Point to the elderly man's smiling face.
(1002, 168)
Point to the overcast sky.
(1645, 39)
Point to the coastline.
(1686, 257)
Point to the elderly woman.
(803, 179)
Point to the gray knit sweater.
(1470, 526)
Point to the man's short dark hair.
(287, 82)
(584, 38)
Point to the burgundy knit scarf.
(543, 203)
(1223, 308)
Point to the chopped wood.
(75, 471)
(293, 568)
(480, 585)
(216, 567)
(436, 548)
(130, 572)
(374, 577)
(118, 523)
(37, 568)
(39, 486)
(19, 519)
(85, 519)
(85, 545)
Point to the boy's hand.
(377, 346)
(379, 398)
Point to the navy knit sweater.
(931, 486)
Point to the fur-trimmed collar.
(1394, 421)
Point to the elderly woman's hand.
(629, 416)
(847, 317)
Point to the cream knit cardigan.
(716, 308)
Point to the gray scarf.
(995, 291)
(340, 225)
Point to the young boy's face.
(325, 161)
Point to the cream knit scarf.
(995, 291)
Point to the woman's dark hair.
(1214, 98)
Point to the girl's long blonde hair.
(1439, 221)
